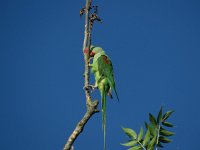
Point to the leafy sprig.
(155, 135)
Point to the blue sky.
(154, 47)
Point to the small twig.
(94, 17)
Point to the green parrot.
(104, 79)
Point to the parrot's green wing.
(105, 69)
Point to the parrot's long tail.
(103, 100)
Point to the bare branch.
(91, 105)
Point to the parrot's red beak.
(92, 54)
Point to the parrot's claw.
(93, 87)
(90, 87)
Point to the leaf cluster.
(154, 136)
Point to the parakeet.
(104, 79)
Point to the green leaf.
(167, 124)
(146, 138)
(152, 120)
(152, 143)
(166, 133)
(153, 130)
(130, 143)
(131, 133)
(140, 134)
(135, 148)
(164, 140)
(167, 114)
(159, 117)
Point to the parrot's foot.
(90, 87)
(93, 87)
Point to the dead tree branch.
(91, 105)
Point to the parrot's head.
(95, 50)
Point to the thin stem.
(158, 135)
(141, 145)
